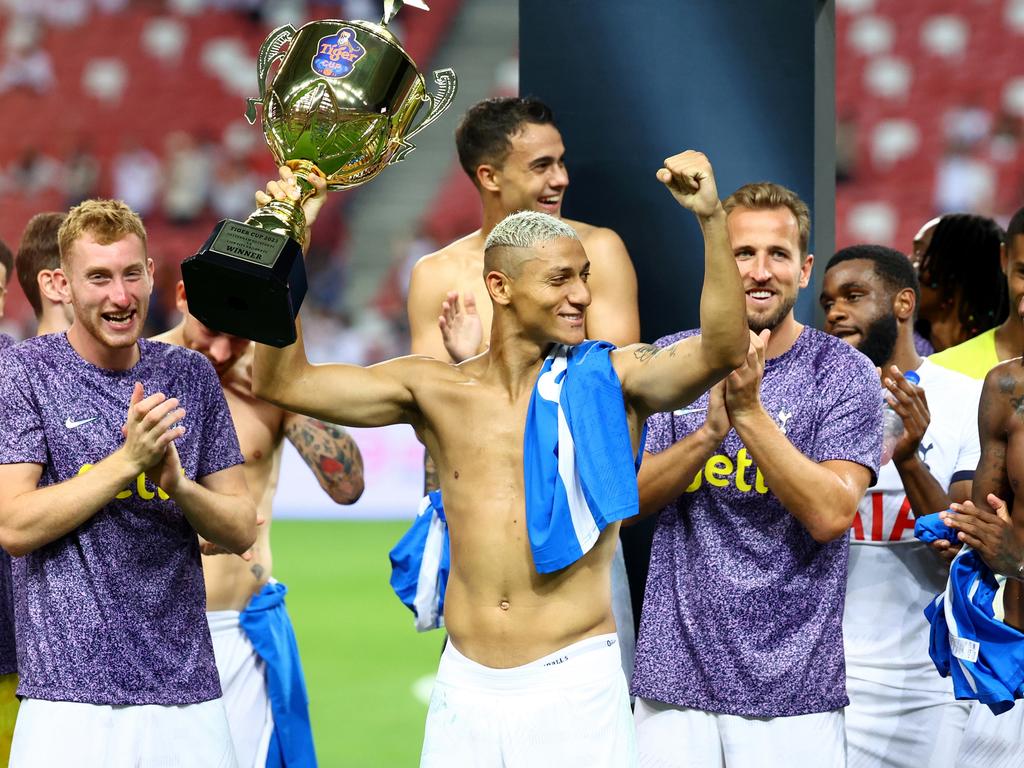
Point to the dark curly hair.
(964, 255)
(484, 131)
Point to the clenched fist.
(691, 181)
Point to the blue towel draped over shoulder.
(983, 655)
(571, 495)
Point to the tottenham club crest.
(337, 54)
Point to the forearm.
(813, 494)
(228, 520)
(276, 372)
(331, 454)
(41, 516)
(665, 476)
(924, 492)
(723, 319)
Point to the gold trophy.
(343, 104)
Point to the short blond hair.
(106, 220)
(766, 196)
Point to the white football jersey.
(893, 576)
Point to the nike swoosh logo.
(684, 411)
(71, 424)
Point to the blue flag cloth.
(265, 622)
(929, 528)
(983, 655)
(420, 562)
(571, 496)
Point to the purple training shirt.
(743, 609)
(115, 611)
(8, 654)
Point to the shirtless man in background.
(531, 675)
(240, 593)
(513, 153)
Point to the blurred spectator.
(81, 174)
(136, 177)
(963, 182)
(846, 147)
(1005, 138)
(32, 173)
(26, 61)
(232, 191)
(967, 124)
(231, 195)
(963, 289)
(187, 186)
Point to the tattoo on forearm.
(333, 456)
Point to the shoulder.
(181, 362)
(972, 358)
(1006, 374)
(33, 350)
(157, 350)
(453, 258)
(5, 341)
(417, 367)
(835, 362)
(936, 377)
(597, 240)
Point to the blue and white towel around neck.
(571, 496)
(984, 656)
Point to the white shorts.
(243, 679)
(622, 610)
(993, 741)
(888, 727)
(679, 737)
(570, 708)
(66, 733)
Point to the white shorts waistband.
(589, 660)
(223, 621)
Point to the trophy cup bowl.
(343, 104)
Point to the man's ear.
(61, 285)
(805, 270)
(499, 286)
(47, 286)
(180, 300)
(488, 177)
(903, 304)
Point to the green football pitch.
(367, 669)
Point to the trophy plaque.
(343, 104)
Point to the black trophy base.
(248, 282)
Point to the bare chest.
(258, 424)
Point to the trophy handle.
(447, 84)
(270, 52)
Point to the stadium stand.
(929, 97)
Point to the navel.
(456, 474)
(504, 605)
